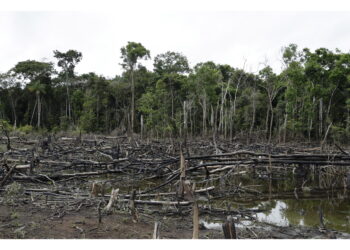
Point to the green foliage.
(131, 53)
(33, 70)
(88, 120)
(26, 129)
(5, 126)
(339, 134)
(68, 60)
(12, 192)
(170, 63)
(310, 93)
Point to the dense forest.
(308, 100)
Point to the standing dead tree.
(5, 128)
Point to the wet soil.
(54, 201)
(28, 221)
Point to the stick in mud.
(31, 169)
(195, 221)
(195, 214)
(156, 230)
(133, 211)
(99, 212)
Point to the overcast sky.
(230, 37)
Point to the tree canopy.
(308, 100)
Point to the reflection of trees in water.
(267, 206)
(335, 213)
(332, 177)
(289, 179)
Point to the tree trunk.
(271, 121)
(267, 119)
(39, 108)
(348, 120)
(13, 106)
(185, 119)
(172, 99)
(31, 120)
(68, 107)
(321, 118)
(132, 101)
(254, 111)
(204, 117)
(285, 127)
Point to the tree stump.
(229, 228)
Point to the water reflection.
(275, 214)
(306, 213)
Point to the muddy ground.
(28, 221)
(46, 187)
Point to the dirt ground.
(30, 222)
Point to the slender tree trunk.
(321, 118)
(212, 117)
(348, 120)
(234, 100)
(285, 127)
(142, 127)
(310, 128)
(68, 107)
(185, 118)
(231, 121)
(267, 119)
(172, 99)
(204, 116)
(39, 108)
(253, 115)
(13, 106)
(271, 121)
(31, 120)
(132, 100)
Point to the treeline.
(308, 100)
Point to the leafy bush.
(340, 134)
(12, 192)
(26, 129)
(5, 125)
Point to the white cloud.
(223, 37)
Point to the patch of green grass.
(14, 215)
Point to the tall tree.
(10, 82)
(38, 74)
(206, 78)
(272, 85)
(67, 61)
(131, 53)
(39, 89)
(169, 65)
